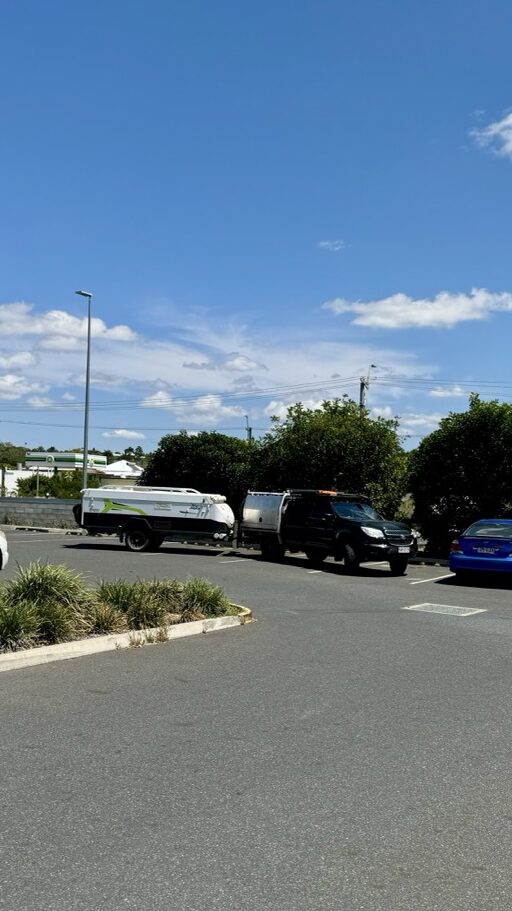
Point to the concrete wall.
(45, 512)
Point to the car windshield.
(490, 530)
(356, 510)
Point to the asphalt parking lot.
(347, 751)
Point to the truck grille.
(398, 537)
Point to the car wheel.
(137, 540)
(350, 559)
(398, 565)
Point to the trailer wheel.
(137, 539)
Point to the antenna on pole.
(364, 383)
(248, 429)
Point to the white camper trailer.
(144, 517)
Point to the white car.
(4, 553)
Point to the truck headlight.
(372, 532)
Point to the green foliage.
(104, 618)
(337, 445)
(146, 610)
(48, 603)
(59, 622)
(43, 583)
(202, 598)
(209, 462)
(62, 484)
(58, 595)
(19, 626)
(11, 455)
(117, 593)
(463, 471)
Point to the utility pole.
(248, 429)
(364, 383)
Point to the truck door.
(320, 524)
(293, 525)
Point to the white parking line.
(313, 572)
(433, 579)
(450, 609)
(380, 563)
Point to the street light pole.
(88, 295)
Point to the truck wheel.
(272, 550)
(350, 559)
(315, 556)
(137, 539)
(398, 565)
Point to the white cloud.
(241, 363)
(68, 397)
(20, 359)
(333, 246)
(419, 424)
(56, 326)
(205, 409)
(497, 137)
(442, 392)
(124, 434)
(399, 311)
(385, 412)
(279, 408)
(14, 387)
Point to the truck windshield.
(356, 510)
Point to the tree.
(11, 455)
(335, 446)
(63, 484)
(209, 462)
(463, 471)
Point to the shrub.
(146, 602)
(40, 584)
(104, 618)
(60, 622)
(145, 609)
(19, 626)
(117, 593)
(168, 592)
(58, 596)
(203, 599)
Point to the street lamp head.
(84, 294)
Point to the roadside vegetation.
(459, 473)
(47, 603)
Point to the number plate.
(403, 550)
(486, 550)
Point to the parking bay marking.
(450, 609)
(432, 579)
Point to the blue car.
(486, 546)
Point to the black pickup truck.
(324, 523)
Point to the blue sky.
(264, 199)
